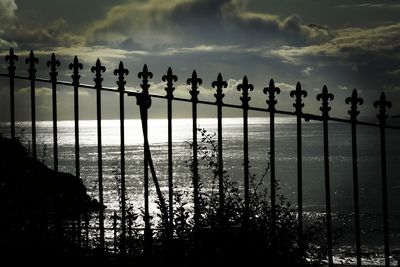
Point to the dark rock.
(29, 189)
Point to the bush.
(229, 241)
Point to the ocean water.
(286, 168)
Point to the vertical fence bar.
(75, 67)
(245, 87)
(144, 102)
(271, 91)
(170, 78)
(98, 69)
(325, 97)
(219, 84)
(53, 64)
(195, 82)
(382, 103)
(121, 72)
(298, 105)
(354, 100)
(11, 58)
(32, 61)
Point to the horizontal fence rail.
(80, 233)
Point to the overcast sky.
(344, 44)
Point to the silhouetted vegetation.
(39, 206)
(35, 199)
(213, 243)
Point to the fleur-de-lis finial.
(145, 75)
(75, 66)
(121, 72)
(98, 69)
(195, 82)
(325, 97)
(245, 87)
(11, 58)
(32, 61)
(143, 100)
(382, 103)
(271, 91)
(53, 63)
(170, 78)
(298, 93)
(219, 84)
(354, 101)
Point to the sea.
(340, 164)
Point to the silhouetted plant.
(222, 243)
(133, 236)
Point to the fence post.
(170, 78)
(144, 102)
(354, 100)
(245, 87)
(219, 84)
(98, 69)
(325, 97)
(382, 103)
(11, 58)
(121, 72)
(75, 67)
(32, 61)
(53, 64)
(298, 105)
(271, 91)
(195, 82)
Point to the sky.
(343, 44)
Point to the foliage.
(229, 240)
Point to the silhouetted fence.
(144, 102)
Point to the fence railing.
(144, 102)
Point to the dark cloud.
(178, 23)
(214, 36)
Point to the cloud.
(7, 10)
(4, 44)
(80, 93)
(370, 5)
(394, 73)
(342, 87)
(307, 71)
(349, 43)
(285, 86)
(39, 91)
(370, 56)
(54, 34)
(200, 49)
(156, 24)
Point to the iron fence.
(144, 103)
